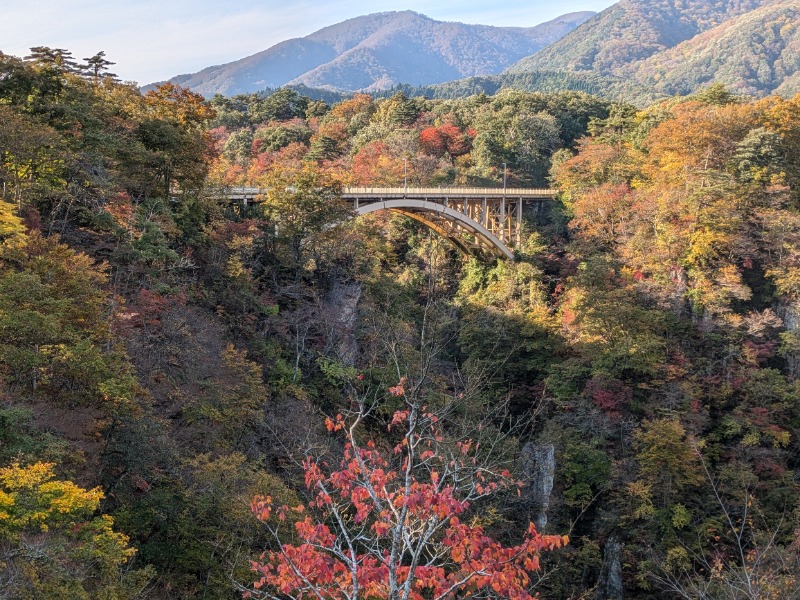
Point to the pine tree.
(97, 67)
(57, 58)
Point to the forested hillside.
(374, 52)
(751, 49)
(640, 51)
(209, 400)
(632, 30)
(755, 54)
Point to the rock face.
(340, 310)
(377, 51)
(789, 312)
(539, 466)
(611, 587)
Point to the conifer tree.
(97, 67)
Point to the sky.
(153, 40)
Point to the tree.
(514, 131)
(56, 58)
(180, 105)
(53, 320)
(375, 164)
(97, 66)
(302, 203)
(173, 131)
(667, 461)
(740, 555)
(11, 227)
(446, 138)
(30, 158)
(51, 545)
(397, 110)
(393, 524)
(282, 105)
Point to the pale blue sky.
(152, 40)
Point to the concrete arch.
(450, 224)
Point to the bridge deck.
(439, 192)
(369, 193)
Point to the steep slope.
(632, 30)
(757, 54)
(418, 50)
(376, 51)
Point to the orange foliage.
(603, 212)
(122, 211)
(349, 108)
(671, 205)
(696, 139)
(170, 101)
(595, 163)
(446, 138)
(288, 157)
(374, 165)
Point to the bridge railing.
(244, 191)
(449, 191)
(452, 192)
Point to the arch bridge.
(479, 221)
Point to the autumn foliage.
(396, 525)
(446, 138)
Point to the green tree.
(51, 544)
(668, 463)
(97, 66)
(53, 320)
(31, 159)
(57, 58)
(301, 205)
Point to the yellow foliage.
(12, 231)
(347, 109)
(81, 555)
(677, 559)
(780, 439)
(666, 458)
(751, 439)
(30, 497)
(643, 493)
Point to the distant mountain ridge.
(644, 49)
(377, 51)
(635, 50)
(757, 53)
(633, 30)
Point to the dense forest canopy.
(188, 385)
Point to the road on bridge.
(479, 221)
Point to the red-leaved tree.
(446, 138)
(392, 525)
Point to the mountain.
(377, 51)
(630, 31)
(757, 53)
(640, 50)
(754, 53)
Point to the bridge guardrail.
(450, 191)
(417, 191)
